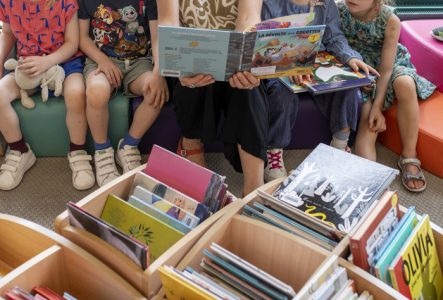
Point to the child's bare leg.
(75, 101)
(98, 92)
(408, 121)
(365, 141)
(253, 169)
(9, 124)
(146, 113)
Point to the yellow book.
(157, 235)
(416, 271)
(179, 288)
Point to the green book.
(158, 235)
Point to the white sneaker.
(128, 157)
(82, 176)
(275, 167)
(14, 167)
(105, 169)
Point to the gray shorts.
(131, 69)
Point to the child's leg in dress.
(253, 168)
(408, 122)
(20, 157)
(365, 141)
(79, 161)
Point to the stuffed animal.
(52, 79)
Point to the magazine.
(329, 75)
(265, 53)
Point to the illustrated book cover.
(329, 75)
(266, 53)
(377, 224)
(162, 191)
(185, 176)
(136, 251)
(157, 235)
(396, 240)
(335, 187)
(416, 271)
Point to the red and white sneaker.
(276, 167)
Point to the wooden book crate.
(147, 281)
(289, 258)
(31, 256)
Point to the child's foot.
(14, 168)
(82, 176)
(105, 168)
(128, 157)
(412, 176)
(275, 167)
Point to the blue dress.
(361, 34)
(341, 108)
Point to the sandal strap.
(410, 176)
(187, 152)
(412, 160)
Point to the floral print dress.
(367, 38)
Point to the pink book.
(185, 176)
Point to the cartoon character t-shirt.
(120, 28)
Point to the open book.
(279, 50)
(329, 75)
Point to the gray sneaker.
(275, 167)
(82, 176)
(14, 168)
(128, 157)
(105, 169)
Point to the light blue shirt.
(334, 41)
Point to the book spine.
(359, 256)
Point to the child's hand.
(111, 71)
(299, 79)
(156, 90)
(196, 81)
(34, 65)
(244, 80)
(357, 64)
(376, 120)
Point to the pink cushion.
(426, 52)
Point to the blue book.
(394, 244)
(267, 53)
(158, 214)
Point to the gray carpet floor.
(47, 187)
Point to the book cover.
(394, 244)
(329, 75)
(295, 20)
(176, 210)
(335, 187)
(220, 53)
(136, 251)
(159, 214)
(177, 287)
(416, 271)
(141, 226)
(185, 176)
(366, 235)
(162, 191)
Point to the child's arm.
(249, 13)
(389, 51)
(105, 65)
(156, 87)
(7, 41)
(36, 65)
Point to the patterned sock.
(340, 140)
(19, 146)
(130, 141)
(103, 146)
(76, 147)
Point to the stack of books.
(325, 197)
(166, 201)
(37, 293)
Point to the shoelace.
(275, 160)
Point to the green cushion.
(44, 127)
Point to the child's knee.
(404, 83)
(97, 95)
